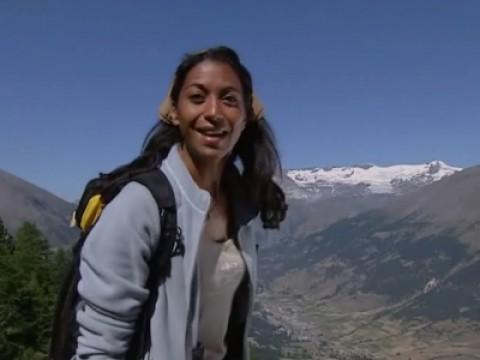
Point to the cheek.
(182, 128)
(238, 129)
(183, 124)
(185, 130)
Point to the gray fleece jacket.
(114, 270)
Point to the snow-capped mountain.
(363, 179)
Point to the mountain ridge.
(361, 180)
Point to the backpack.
(98, 193)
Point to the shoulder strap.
(169, 244)
(156, 181)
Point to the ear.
(174, 117)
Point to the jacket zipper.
(189, 349)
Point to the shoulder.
(134, 197)
(134, 206)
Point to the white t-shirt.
(221, 269)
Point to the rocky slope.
(22, 201)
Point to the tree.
(8, 286)
(6, 240)
(28, 284)
(60, 261)
(32, 251)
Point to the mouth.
(213, 133)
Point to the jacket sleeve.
(114, 270)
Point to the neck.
(207, 174)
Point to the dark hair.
(255, 148)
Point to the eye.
(196, 98)
(230, 99)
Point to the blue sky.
(343, 82)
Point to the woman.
(209, 121)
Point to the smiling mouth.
(213, 133)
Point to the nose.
(212, 108)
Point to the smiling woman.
(209, 121)
(210, 113)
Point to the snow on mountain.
(363, 179)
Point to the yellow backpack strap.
(92, 212)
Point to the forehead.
(213, 74)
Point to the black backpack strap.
(170, 244)
(156, 181)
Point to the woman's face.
(210, 110)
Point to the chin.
(206, 153)
(212, 154)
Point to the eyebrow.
(204, 88)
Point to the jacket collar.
(176, 167)
(243, 209)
